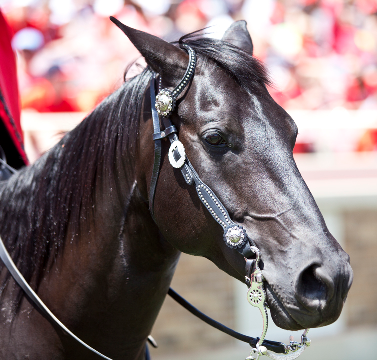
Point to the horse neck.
(119, 270)
(116, 269)
(120, 276)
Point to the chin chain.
(256, 296)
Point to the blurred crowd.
(321, 54)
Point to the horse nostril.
(314, 287)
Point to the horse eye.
(215, 139)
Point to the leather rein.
(235, 235)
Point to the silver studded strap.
(234, 234)
(165, 100)
(162, 105)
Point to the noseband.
(235, 236)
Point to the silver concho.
(177, 154)
(234, 236)
(164, 102)
(255, 296)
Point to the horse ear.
(164, 58)
(238, 35)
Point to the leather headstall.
(163, 104)
(235, 235)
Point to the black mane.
(45, 204)
(38, 204)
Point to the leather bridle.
(235, 235)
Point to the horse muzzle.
(315, 298)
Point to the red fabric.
(9, 87)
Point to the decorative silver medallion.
(164, 102)
(255, 296)
(235, 236)
(177, 154)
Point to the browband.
(165, 100)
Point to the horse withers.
(78, 226)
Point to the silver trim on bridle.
(165, 99)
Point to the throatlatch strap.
(157, 148)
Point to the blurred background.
(321, 55)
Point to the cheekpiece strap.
(234, 235)
(157, 147)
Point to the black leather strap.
(157, 147)
(274, 346)
(5, 173)
(250, 267)
(163, 134)
(189, 71)
(147, 354)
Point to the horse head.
(77, 224)
(240, 142)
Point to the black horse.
(78, 226)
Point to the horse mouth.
(279, 313)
